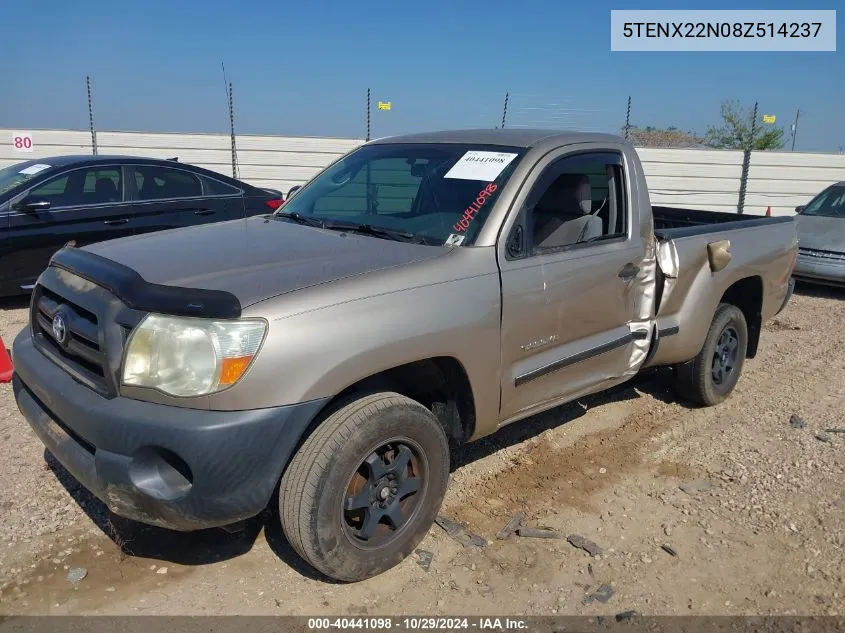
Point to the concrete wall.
(785, 179)
(278, 162)
(695, 178)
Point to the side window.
(217, 188)
(102, 185)
(387, 186)
(162, 183)
(577, 199)
(51, 189)
(82, 187)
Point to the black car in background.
(48, 202)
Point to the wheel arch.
(747, 295)
(441, 384)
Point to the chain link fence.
(729, 170)
(682, 167)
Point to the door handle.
(114, 222)
(205, 212)
(629, 271)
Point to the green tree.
(735, 131)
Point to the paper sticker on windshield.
(33, 169)
(477, 165)
(455, 239)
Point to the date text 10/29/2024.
(418, 624)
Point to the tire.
(343, 463)
(698, 380)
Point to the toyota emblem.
(59, 329)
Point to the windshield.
(15, 175)
(438, 193)
(829, 203)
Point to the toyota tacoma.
(421, 292)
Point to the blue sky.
(303, 68)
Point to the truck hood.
(821, 233)
(257, 258)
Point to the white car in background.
(821, 238)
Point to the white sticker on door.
(477, 165)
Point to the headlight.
(185, 356)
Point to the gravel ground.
(735, 509)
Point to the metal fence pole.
(232, 131)
(628, 121)
(746, 162)
(368, 114)
(795, 128)
(91, 116)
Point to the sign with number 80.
(22, 141)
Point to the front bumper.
(182, 469)
(819, 270)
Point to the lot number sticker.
(22, 141)
(485, 166)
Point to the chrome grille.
(76, 344)
(821, 254)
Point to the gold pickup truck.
(422, 291)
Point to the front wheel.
(365, 487)
(711, 376)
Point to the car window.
(441, 193)
(577, 199)
(14, 176)
(830, 203)
(162, 183)
(50, 188)
(93, 179)
(82, 187)
(217, 188)
(392, 186)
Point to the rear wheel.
(365, 487)
(711, 376)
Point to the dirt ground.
(728, 510)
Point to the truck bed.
(676, 222)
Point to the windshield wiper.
(301, 219)
(351, 227)
(376, 231)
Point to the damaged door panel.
(589, 297)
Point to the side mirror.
(32, 205)
(799, 209)
(293, 190)
(515, 243)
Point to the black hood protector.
(139, 294)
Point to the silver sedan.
(821, 238)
